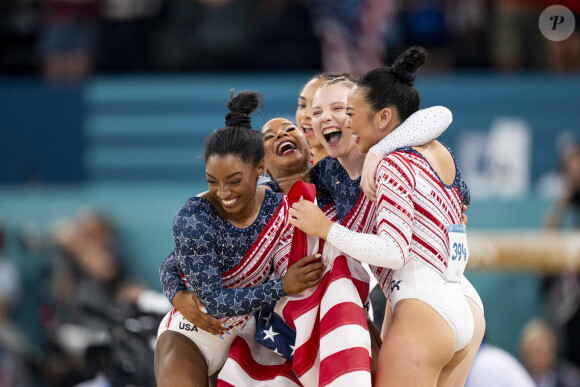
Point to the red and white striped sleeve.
(390, 247)
(395, 209)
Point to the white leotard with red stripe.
(414, 209)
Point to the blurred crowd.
(93, 323)
(67, 40)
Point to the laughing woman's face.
(286, 148)
(329, 120)
(304, 111)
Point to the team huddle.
(267, 278)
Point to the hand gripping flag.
(317, 338)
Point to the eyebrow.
(349, 108)
(227, 177)
(283, 124)
(301, 97)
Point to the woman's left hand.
(309, 218)
(369, 173)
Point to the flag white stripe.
(351, 379)
(339, 291)
(303, 322)
(235, 375)
(344, 337)
(310, 378)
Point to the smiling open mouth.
(286, 147)
(308, 131)
(229, 203)
(332, 135)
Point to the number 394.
(459, 251)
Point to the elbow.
(447, 116)
(403, 258)
(399, 264)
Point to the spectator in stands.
(570, 198)
(68, 40)
(125, 34)
(562, 291)
(92, 269)
(517, 40)
(565, 55)
(85, 281)
(95, 300)
(424, 23)
(352, 34)
(498, 368)
(539, 354)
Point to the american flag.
(317, 338)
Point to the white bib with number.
(458, 253)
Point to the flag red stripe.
(241, 353)
(277, 217)
(342, 362)
(362, 288)
(295, 309)
(346, 313)
(305, 355)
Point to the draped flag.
(317, 338)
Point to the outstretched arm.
(391, 246)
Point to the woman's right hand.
(304, 274)
(463, 216)
(191, 307)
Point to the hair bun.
(410, 60)
(241, 104)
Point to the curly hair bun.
(241, 104)
(407, 64)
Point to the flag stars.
(269, 334)
(267, 319)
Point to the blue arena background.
(132, 146)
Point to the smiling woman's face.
(286, 148)
(304, 110)
(329, 120)
(232, 182)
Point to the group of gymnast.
(357, 141)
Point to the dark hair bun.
(405, 66)
(241, 104)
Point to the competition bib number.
(458, 252)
